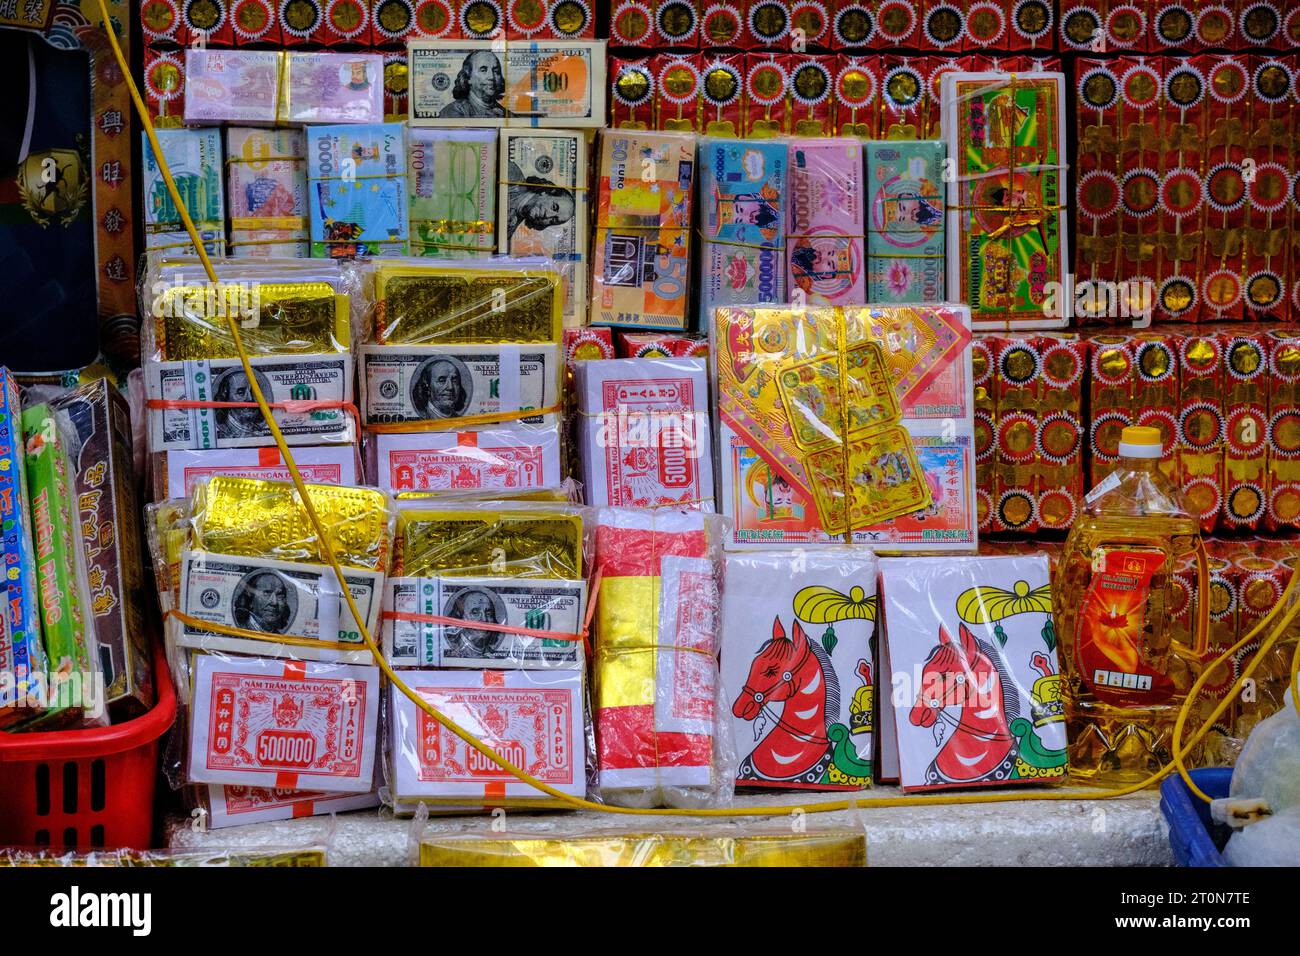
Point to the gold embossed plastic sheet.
(523, 539)
(418, 301)
(830, 848)
(261, 518)
(283, 307)
(247, 856)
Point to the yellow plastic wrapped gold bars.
(840, 848)
(275, 318)
(455, 305)
(517, 543)
(258, 518)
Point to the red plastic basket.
(88, 788)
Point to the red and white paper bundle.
(263, 722)
(502, 458)
(655, 669)
(644, 432)
(534, 719)
(231, 806)
(177, 472)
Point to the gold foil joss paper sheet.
(541, 543)
(846, 848)
(466, 304)
(275, 318)
(258, 518)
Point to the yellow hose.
(327, 557)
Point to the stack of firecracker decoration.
(405, 384)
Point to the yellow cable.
(470, 740)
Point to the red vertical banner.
(856, 93)
(1110, 399)
(1181, 205)
(632, 94)
(1201, 426)
(1283, 430)
(1156, 395)
(1017, 378)
(767, 95)
(1063, 359)
(1269, 212)
(1098, 176)
(1140, 253)
(679, 88)
(1245, 372)
(723, 93)
(983, 365)
(1224, 194)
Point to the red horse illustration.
(792, 671)
(969, 675)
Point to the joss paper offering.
(453, 187)
(232, 805)
(194, 158)
(542, 206)
(520, 540)
(232, 86)
(526, 623)
(265, 722)
(333, 88)
(972, 643)
(797, 667)
(464, 83)
(267, 192)
(655, 671)
(641, 252)
(825, 227)
(357, 190)
(467, 302)
(742, 220)
(534, 719)
(905, 236)
(496, 458)
(177, 473)
(1006, 226)
(644, 432)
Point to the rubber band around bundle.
(229, 631)
(266, 159)
(445, 621)
(293, 406)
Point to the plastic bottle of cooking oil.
(1126, 676)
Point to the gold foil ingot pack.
(839, 848)
(453, 305)
(523, 543)
(274, 318)
(259, 518)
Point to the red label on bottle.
(1109, 643)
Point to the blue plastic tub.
(1195, 839)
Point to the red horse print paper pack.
(797, 667)
(975, 683)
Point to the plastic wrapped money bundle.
(195, 159)
(655, 672)
(268, 192)
(1007, 228)
(885, 458)
(357, 190)
(742, 220)
(542, 206)
(453, 189)
(294, 320)
(642, 250)
(817, 848)
(267, 86)
(643, 430)
(488, 605)
(462, 83)
(826, 220)
(460, 385)
(905, 238)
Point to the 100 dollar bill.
(412, 383)
(533, 603)
(483, 83)
(275, 597)
(211, 383)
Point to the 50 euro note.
(453, 184)
(484, 83)
(209, 383)
(267, 194)
(535, 604)
(542, 206)
(418, 383)
(300, 602)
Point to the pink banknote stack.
(826, 223)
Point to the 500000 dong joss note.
(264, 722)
(476, 83)
(537, 605)
(542, 206)
(411, 383)
(275, 597)
(327, 379)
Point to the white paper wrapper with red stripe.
(532, 718)
(655, 670)
(231, 806)
(501, 458)
(176, 473)
(266, 722)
